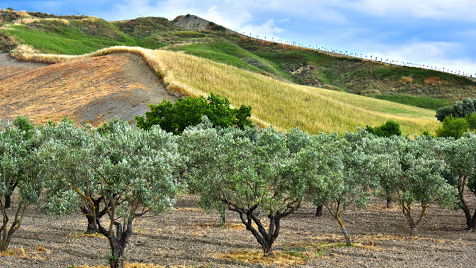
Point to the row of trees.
(117, 173)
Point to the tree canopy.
(388, 129)
(175, 117)
(253, 172)
(461, 108)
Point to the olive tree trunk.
(222, 211)
(93, 214)
(319, 210)
(389, 201)
(344, 231)
(118, 236)
(336, 212)
(265, 236)
(6, 232)
(8, 198)
(470, 218)
(408, 212)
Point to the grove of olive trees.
(117, 173)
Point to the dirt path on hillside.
(90, 89)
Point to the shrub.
(453, 127)
(388, 129)
(471, 119)
(189, 112)
(459, 109)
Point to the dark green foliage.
(471, 121)
(462, 108)
(418, 101)
(390, 128)
(189, 112)
(453, 127)
(76, 38)
(24, 124)
(443, 112)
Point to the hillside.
(278, 103)
(76, 35)
(90, 89)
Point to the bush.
(471, 121)
(459, 109)
(453, 127)
(189, 112)
(390, 128)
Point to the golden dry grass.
(22, 253)
(136, 265)
(282, 259)
(23, 21)
(84, 235)
(280, 104)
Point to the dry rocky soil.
(187, 236)
(88, 90)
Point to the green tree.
(453, 127)
(133, 171)
(338, 174)
(64, 146)
(388, 129)
(22, 124)
(459, 109)
(471, 119)
(384, 151)
(460, 157)
(189, 112)
(443, 112)
(17, 170)
(417, 170)
(253, 172)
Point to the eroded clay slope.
(90, 89)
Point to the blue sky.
(433, 32)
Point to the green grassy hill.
(81, 34)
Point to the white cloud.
(461, 10)
(271, 17)
(436, 54)
(236, 15)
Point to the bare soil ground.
(86, 90)
(189, 237)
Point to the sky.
(438, 33)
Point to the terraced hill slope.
(76, 35)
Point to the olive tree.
(460, 156)
(338, 174)
(417, 169)
(132, 171)
(63, 147)
(385, 151)
(24, 125)
(253, 172)
(17, 170)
